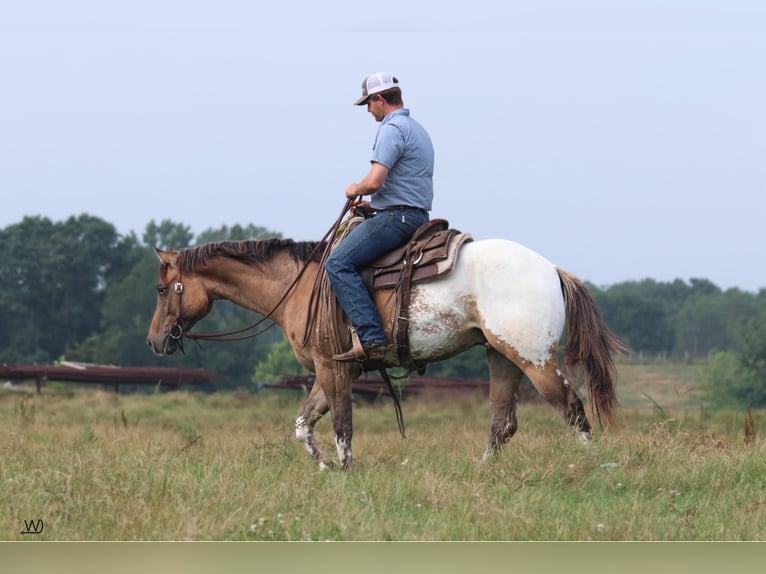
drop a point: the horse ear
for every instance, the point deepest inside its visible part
(165, 256)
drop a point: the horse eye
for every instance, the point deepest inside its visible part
(162, 290)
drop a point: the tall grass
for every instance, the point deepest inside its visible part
(178, 466)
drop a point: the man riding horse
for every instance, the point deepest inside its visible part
(498, 294)
(400, 183)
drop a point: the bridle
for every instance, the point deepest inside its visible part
(178, 332)
(178, 288)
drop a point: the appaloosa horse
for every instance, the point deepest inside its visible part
(499, 294)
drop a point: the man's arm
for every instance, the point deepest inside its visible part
(371, 183)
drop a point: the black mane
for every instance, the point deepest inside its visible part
(249, 251)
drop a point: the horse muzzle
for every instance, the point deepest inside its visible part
(165, 346)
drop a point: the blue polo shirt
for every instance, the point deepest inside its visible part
(404, 147)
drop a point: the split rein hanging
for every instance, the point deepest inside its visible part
(178, 333)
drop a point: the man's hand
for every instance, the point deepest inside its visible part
(353, 190)
(362, 209)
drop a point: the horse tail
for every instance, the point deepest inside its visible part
(590, 341)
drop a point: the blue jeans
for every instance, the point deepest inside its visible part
(373, 237)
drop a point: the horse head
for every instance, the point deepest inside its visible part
(181, 301)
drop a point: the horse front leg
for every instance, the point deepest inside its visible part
(313, 410)
(336, 379)
(331, 391)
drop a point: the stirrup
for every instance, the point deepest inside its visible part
(356, 353)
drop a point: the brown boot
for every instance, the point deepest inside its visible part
(355, 354)
(379, 354)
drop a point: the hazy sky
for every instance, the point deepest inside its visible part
(621, 139)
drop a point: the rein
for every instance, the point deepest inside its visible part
(178, 332)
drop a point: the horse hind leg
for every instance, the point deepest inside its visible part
(313, 410)
(560, 393)
(504, 380)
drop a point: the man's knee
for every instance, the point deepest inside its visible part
(333, 265)
(336, 265)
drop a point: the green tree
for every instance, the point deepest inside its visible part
(53, 280)
(127, 312)
(728, 383)
(470, 364)
(676, 317)
(236, 233)
(167, 235)
(738, 377)
(704, 323)
(278, 363)
(639, 318)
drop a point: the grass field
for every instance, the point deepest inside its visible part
(93, 465)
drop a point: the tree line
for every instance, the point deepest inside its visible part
(78, 290)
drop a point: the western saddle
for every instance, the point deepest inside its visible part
(431, 252)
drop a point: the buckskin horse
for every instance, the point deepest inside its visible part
(499, 294)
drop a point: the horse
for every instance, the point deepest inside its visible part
(499, 294)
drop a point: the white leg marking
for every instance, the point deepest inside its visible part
(305, 434)
(302, 429)
(344, 451)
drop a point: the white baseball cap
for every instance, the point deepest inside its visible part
(374, 84)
